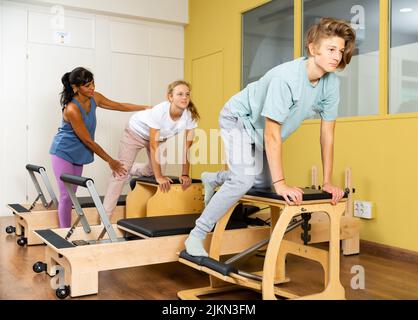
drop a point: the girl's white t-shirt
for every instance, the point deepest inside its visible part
(159, 118)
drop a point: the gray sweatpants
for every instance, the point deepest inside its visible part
(248, 168)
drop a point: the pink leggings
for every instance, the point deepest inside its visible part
(61, 166)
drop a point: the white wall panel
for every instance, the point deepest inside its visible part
(162, 72)
(129, 38)
(166, 41)
(14, 106)
(79, 31)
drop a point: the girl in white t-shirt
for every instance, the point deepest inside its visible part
(148, 129)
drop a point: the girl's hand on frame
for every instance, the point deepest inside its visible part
(164, 183)
(185, 182)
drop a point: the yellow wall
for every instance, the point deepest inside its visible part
(382, 150)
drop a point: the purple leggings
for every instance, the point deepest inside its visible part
(61, 166)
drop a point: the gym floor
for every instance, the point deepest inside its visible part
(384, 278)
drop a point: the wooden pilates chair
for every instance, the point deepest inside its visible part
(147, 200)
(224, 276)
(80, 253)
(44, 215)
(350, 225)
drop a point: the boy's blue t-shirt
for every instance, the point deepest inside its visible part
(285, 94)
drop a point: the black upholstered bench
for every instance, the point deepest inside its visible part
(87, 202)
(166, 225)
(152, 180)
(309, 194)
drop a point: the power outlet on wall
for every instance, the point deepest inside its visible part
(363, 209)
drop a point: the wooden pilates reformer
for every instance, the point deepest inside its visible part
(44, 215)
(284, 218)
(80, 253)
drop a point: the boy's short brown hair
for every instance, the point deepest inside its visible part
(330, 27)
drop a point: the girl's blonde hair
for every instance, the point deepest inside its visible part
(191, 107)
(330, 27)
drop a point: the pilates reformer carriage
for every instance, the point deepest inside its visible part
(82, 252)
(89, 250)
(44, 215)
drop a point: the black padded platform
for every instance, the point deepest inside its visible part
(87, 202)
(222, 268)
(168, 225)
(308, 195)
(18, 208)
(54, 239)
(195, 259)
(152, 180)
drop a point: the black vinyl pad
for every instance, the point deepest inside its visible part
(221, 267)
(18, 208)
(87, 202)
(168, 225)
(197, 260)
(218, 266)
(152, 180)
(54, 239)
(308, 194)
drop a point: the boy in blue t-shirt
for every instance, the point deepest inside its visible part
(269, 110)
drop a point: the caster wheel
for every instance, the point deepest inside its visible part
(22, 241)
(38, 267)
(10, 229)
(63, 293)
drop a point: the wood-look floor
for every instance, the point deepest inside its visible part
(384, 278)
